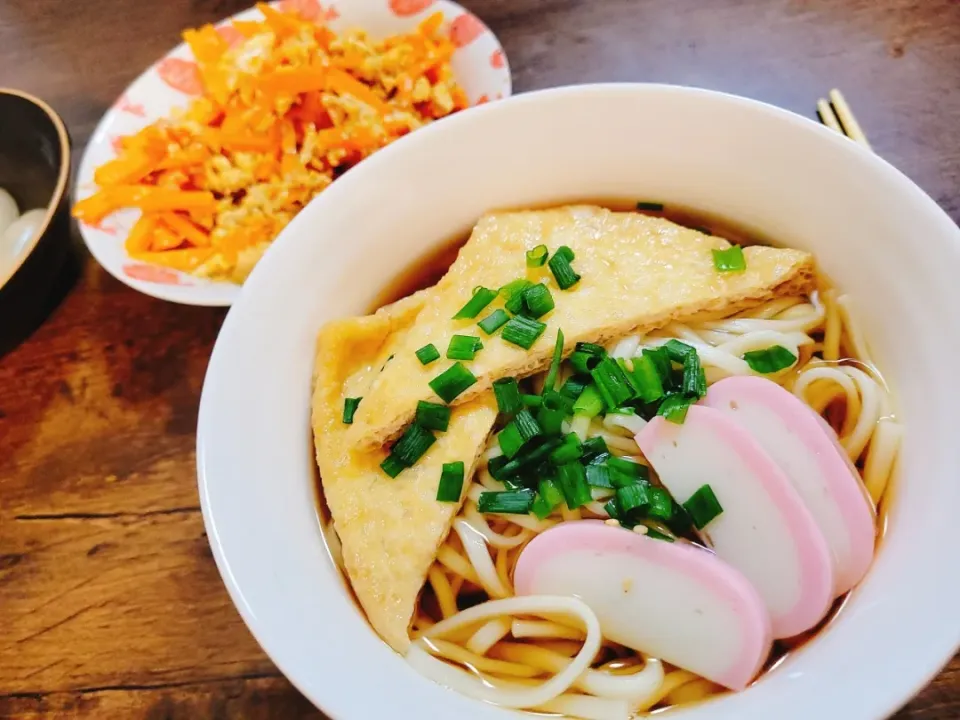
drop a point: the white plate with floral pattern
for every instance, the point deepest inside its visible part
(479, 65)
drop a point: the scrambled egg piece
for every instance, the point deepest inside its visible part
(638, 273)
(389, 529)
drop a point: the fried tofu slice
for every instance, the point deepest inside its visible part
(638, 273)
(389, 528)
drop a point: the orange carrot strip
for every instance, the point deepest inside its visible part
(184, 158)
(125, 169)
(430, 24)
(206, 44)
(248, 28)
(140, 234)
(293, 81)
(185, 229)
(343, 83)
(187, 259)
(282, 24)
(163, 239)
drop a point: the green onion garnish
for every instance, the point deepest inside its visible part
(522, 331)
(628, 467)
(773, 359)
(729, 260)
(392, 466)
(427, 354)
(531, 401)
(568, 452)
(621, 479)
(548, 497)
(537, 301)
(674, 408)
(583, 362)
(694, 383)
(451, 482)
(513, 294)
(433, 416)
(646, 379)
(650, 206)
(612, 510)
(517, 432)
(566, 252)
(599, 476)
(411, 446)
(657, 535)
(481, 298)
(452, 381)
(463, 347)
(632, 502)
(529, 457)
(555, 362)
(573, 387)
(661, 360)
(551, 420)
(563, 273)
(511, 502)
(594, 447)
(589, 403)
(507, 392)
(572, 479)
(494, 321)
(702, 507)
(612, 383)
(661, 504)
(537, 257)
(678, 351)
(349, 408)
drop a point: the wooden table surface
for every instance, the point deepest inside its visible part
(110, 604)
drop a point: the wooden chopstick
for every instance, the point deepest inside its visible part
(837, 115)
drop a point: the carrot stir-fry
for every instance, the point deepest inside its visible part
(287, 107)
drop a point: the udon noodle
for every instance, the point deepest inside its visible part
(547, 654)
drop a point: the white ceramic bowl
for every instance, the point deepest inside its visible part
(878, 235)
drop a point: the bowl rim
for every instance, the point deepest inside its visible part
(62, 178)
(921, 674)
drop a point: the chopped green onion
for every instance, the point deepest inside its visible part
(591, 348)
(517, 432)
(385, 363)
(589, 403)
(349, 408)
(537, 257)
(612, 383)
(661, 360)
(551, 420)
(513, 294)
(594, 447)
(507, 392)
(583, 362)
(729, 260)
(678, 351)
(674, 408)
(537, 301)
(522, 331)
(650, 206)
(481, 298)
(568, 452)
(451, 482)
(773, 359)
(563, 273)
(599, 476)
(411, 446)
(532, 454)
(612, 510)
(463, 347)
(566, 253)
(646, 379)
(703, 507)
(554, 362)
(531, 401)
(555, 401)
(572, 479)
(452, 381)
(427, 354)
(548, 497)
(392, 466)
(632, 502)
(433, 416)
(573, 387)
(661, 504)
(510, 502)
(493, 322)
(628, 467)
(694, 383)
(496, 465)
(657, 535)
(621, 479)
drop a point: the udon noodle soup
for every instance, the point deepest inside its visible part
(604, 561)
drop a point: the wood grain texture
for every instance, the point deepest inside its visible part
(110, 604)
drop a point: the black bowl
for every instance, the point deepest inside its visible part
(35, 169)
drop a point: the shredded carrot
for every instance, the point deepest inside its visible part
(284, 111)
